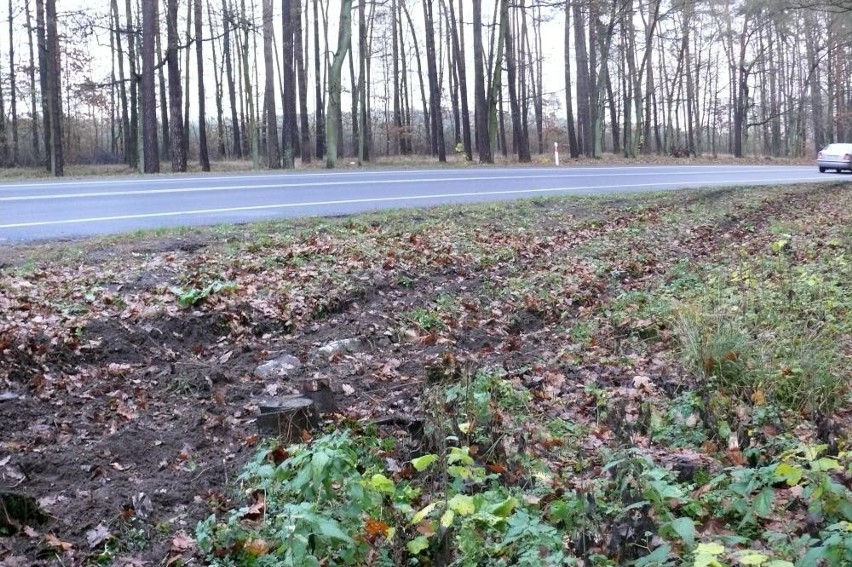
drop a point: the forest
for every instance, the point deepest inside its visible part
(277, 84)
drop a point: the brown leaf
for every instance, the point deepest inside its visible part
(736, 457)
(256, 547)
(182, 542)
(30, 532)
(257, 509)
(57, 543)
(374, 529)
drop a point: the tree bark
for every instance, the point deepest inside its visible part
(44, 71)
(427, 115)
(344, 38)
(203, 152)
(273, 154)
(302, 75)
(518, 134)
(227, 19)
(33, 101)
(436, 118)
(176, 129)
(252, 131)
(289, 131)
(461, 67)
(54, 90)
(150, 143)
(363, 55)
(217, 83)
(135, 148)
(319, 102)
(13, 89)
(165, 148)
(569, 102)
(483, 141)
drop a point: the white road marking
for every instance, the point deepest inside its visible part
(362, 201)
(622, 173)
(567, 171)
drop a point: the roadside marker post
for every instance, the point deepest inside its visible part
(556, 152)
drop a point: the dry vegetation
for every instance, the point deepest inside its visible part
(660, 380)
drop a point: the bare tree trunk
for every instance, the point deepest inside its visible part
(187, 128)
(363, 56)
(177, 133)
(150, 143)
(217, 80)
(436, 118)
(134, 149)
(483, 140)
(495, 99)
(521, 141)
(122, 88)
(13, 89)
(289, 130)
(457, 30)
(427, 116)
(203, 153)
(252, 132)
(319, 108)
(535, 56)
(43, 82)
(54, 90)
(33, 102)
(355, 93)
(302, 75)
(227, 19)
(273, 154)
(334, 80)
(584, 120)
(165, 149)
(569, 104)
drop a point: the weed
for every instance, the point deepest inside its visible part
(714, 347)
(191, 297)
(426, 320)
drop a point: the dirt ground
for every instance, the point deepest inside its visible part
(124, 416)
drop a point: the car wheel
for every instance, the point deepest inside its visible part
(822, 170)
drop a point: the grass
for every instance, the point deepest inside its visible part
(651, 388)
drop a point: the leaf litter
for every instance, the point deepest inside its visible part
(115, 385)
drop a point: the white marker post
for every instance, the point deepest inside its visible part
(556, 153)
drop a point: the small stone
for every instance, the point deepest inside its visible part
(339, 348)
(281, 367)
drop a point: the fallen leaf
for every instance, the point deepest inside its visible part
(182, 542)
(643, 383)
(256, 547)
(347, 390)
(97, 535)
(57, 543)
(736, 457)
(30, 532)
(374, 529)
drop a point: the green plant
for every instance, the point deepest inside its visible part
(193, 296)
(426, 320)
(715, 347)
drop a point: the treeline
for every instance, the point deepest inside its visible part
(283, 82)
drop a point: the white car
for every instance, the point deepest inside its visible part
(835, 156)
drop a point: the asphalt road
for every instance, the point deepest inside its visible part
(65, 209)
